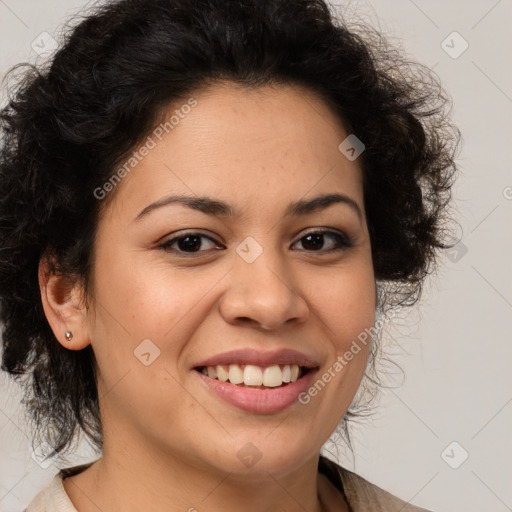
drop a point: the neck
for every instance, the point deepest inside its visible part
(117, 482)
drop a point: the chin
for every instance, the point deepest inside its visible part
(259, 456)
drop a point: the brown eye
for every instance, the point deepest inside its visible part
(189, 243)
(324, 241)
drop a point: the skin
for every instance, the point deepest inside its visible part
(170, 443)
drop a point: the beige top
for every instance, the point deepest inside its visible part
(361, 495)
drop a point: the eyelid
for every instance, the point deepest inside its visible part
(348, 240)
(344, 241)
(321, 229)
(187, 232)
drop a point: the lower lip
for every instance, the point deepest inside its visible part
(261, 401)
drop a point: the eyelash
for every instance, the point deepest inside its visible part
(343, 241)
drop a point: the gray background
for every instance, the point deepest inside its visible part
(455, 349)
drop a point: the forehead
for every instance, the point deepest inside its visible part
(243, 144)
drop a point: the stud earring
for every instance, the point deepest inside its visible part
(69, 335)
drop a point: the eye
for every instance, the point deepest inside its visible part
(194, 243)
(324, 241)
(189, 243)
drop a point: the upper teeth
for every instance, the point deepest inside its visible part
(251, 375)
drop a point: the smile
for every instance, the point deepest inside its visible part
(253, 397)
(253, 376)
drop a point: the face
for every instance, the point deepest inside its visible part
(251, 268)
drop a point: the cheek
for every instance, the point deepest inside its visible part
(136, 301)
(345, 301)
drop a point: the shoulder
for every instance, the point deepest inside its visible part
(361, 494)
(53, 498)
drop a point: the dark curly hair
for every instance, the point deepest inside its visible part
(70, 122)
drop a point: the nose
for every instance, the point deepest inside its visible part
(264, 293)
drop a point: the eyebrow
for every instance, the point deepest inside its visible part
(219, 208)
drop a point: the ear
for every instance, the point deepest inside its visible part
(63, 306)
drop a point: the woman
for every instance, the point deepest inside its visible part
(205, 207)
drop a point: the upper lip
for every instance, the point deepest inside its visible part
(259, 358)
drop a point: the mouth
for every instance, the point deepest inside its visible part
(255, 377)
(257, 389)
(256, 381)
